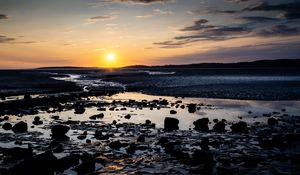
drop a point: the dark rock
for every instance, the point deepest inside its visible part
(59, 148)
(114, 122)
(100, 136)
(97, 116)
(215, 120)
(67, 162)
(7, 126)
(171, 124)
(201, 124)
(272, 121)
(202, 157)
(102, 109)
(20, 127)
(219, 127)
(37, 121)
(59, 131)
(128, 116)
(5, 118)
(239, 127)
(147, 122)
(131, 149)
(17, 152)
(191, 108)
(115, 144)
(55, 117)
(141, 138)
(173, 112)
(79, 110)
(88, 141)
(44, 163)
(204, 144)
(27, 97)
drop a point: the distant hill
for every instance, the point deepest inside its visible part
(281, 63)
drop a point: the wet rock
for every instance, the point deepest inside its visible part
(7, 126)
(204, 144)
(88, 141)
(128, 116)
(44, 163)
(59, 148)
(219, 127)
(171, 124)
(79, 110)
(5, 118)
(173, 112)
(201, 124)
(20, 127)
(239, 127)
(27, 97)
(141, 138)
(202, 157)
(17, 152)
(97, 116)
(55, 117)
(115, 144)
(114, 122)
(100, 136)
(131, 149)
(147, 122)
(191, 108)
(37, 121)
(59, 131)
(101, 109)
(67, 162)
(272, 121)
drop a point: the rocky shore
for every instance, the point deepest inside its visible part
(36, 140)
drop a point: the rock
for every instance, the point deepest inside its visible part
(97, 116)
(204, 144)
(191, 108)
(79, 110)
(44, 163)
(20, 127)
(115, 144)
(173, 112)
(55, 117)
(100, 136)
(171, 124)
(86, 167)
(5, 118)
(128, 116)
(114, 122)
(17, 152)
(59, 148)
(215, 120)
(201, 124)
(239, 127)
(88, 141)
(219, 127)
(131, 149)
(59, 131)
(202, 157)
(272, 121)
(141, 138)
(7, 126)
(37, 121)
(67, 162)
(147, 122)
(27, 97)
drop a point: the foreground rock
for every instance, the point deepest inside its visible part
(20, 127)
(59, 131)
(171, 124)
(239, 127)
(219, 127)
(201, 124)
(7, 126)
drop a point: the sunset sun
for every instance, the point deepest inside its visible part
(110, 57)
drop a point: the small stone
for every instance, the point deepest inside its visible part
(7, 126)
(173, 112)
(128, 116)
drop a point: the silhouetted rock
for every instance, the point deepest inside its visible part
(100, 136)
(204, 143)
(7, 126)
(147, 122)
(173, 112)
(55, 117)
(17, 152)
(37, 121)
(202, 157)
(115, 144)
(131, 149)
(191, 108)
(97, 116)
(219, 127)
(201, 124)
(128, 116)
(86, 167)
(59, 131)
(272, 121)
(239, 127)
(79, 110)
(141, 138)
(67, 162)
(20, 127)
(171, 124)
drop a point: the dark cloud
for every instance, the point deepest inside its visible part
(236, 1)
(198, 25)
(3, 16)
(141, 1)
(5, 39)
(101, 18)
(290, 10)
(258, 19)
(279, 30)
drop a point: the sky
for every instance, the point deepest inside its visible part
(115, 33)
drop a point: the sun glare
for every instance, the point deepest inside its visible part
(110, 57)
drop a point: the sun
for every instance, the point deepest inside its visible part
(110, 57)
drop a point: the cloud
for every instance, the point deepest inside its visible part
(279, 30)
(258, 19)
(236, 1)
(3, 16)
(5, 39)
(198, 25)
(290, 10)
(101, 18)
(155, 12)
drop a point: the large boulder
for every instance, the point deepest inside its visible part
(239, 127)
(191, 108)
(171, 124)
(219, 127)
(201, 124)
(20, 127)
(7, 126)
(59, 131)
(17, 152)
